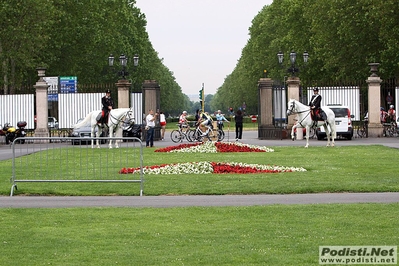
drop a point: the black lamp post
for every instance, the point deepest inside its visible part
(123, 62)
(292, 69)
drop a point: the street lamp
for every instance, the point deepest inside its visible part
(292, 69)
(123, 62)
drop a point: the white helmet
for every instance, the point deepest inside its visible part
(391, 106)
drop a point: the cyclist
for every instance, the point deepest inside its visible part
(392, 114)
(206, 121)
(183, 122)
(220, 118)
(383, 115)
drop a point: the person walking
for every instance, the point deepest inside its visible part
(220, 118)
(150, 125)
(162, 123)
(239, 124)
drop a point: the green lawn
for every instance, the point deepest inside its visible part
(339, 169)
(261, 235)
(257, 235)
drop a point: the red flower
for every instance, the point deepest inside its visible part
(231, 147)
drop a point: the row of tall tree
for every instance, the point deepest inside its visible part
(75, 38)
(341, 37)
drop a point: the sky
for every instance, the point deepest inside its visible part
(200, 41)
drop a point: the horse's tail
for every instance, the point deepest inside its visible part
(86, 121)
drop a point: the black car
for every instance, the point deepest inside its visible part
(82, 135)
(132, 130)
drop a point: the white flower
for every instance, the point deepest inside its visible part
(206, 147)
(207, 168)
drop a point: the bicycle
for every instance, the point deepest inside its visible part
(220, 130)
(390, 130)
(363, 130)
(210, 134)
(178, 135)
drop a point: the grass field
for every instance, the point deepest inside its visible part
(339, 169)
(262, 235)
(259, 235)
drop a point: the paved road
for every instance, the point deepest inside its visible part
(184, 201)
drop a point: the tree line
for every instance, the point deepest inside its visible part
(75, 38)
(341, 37)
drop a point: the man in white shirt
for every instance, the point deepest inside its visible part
(150, 125)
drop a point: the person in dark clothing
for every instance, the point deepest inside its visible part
(315, 108)
(108, 105)
(197, 117)
(238, 119)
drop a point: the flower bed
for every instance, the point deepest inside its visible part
(210, 168)
(213, 147)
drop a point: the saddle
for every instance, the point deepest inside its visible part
(319, 115)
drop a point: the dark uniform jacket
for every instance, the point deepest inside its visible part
(107, 101)
(315, 101)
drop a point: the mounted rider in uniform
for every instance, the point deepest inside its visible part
(108, 105)
(315, 109)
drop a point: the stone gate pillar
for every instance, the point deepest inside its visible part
(293, 93)
(374, 94)
(41, 104)
(266, 129)
(123, 86)
(152, 100)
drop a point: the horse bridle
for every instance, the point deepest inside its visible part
(128, 113)
(292, 112)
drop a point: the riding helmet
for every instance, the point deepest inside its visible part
(316, 89)
(108, 91)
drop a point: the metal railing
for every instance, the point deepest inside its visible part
(55, 159)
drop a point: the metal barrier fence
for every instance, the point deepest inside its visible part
(55, 159)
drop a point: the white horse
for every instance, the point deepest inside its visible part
(305, 120)
(116, 118)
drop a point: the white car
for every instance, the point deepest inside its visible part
(52, 123)
(343, 122)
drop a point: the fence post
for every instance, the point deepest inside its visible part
(41, 104)
(374, 95)
(152, 101)
(293, 93)
(123, 86)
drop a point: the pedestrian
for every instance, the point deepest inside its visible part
(108, 105)
(150, 125)
(238, 119)
(162, 123)
(220, 118)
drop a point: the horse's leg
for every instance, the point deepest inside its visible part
(99, 131)
(293, 132)
(327, 134)
(110, 135)
(92, 135)
(333, 135)
(307, 136)
(118, 134)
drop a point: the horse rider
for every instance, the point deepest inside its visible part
(108, 105)
(317, 113)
